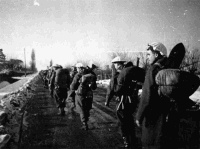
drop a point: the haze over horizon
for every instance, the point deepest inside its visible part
(68, 30)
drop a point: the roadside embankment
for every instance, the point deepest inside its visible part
(14, 99)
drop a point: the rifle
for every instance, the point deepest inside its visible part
(135, 91)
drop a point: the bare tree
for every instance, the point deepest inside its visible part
(143, 60)
(125, 55)
(51, 63)
(191, 61)
(33, 61)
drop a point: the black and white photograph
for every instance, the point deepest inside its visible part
(99, 74)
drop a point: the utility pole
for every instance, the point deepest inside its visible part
(138, 61)
(25, 60)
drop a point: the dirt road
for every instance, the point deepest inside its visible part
(47, 130)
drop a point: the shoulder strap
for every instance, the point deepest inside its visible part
(158, 64)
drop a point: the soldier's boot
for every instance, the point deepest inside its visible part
(126, 142)
(84, 126)
(73, 106)
(61, 111)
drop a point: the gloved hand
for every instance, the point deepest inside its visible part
(69, 99)
(137, 123)
(106, 104)
(117, 99)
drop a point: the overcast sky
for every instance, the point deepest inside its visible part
(67, 30)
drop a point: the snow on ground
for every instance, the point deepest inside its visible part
(105, 82)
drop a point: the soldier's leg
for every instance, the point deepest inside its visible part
(63, 97)
(88, 107)
(134, 142)
(130, 124)
(51, 90)
(58, 97)
(123, 126)
(71, 101)
(46, 83)
(80, 106)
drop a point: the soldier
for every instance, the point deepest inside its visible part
(153, 109)
(83, 89)
(45, 78)
(50, 75)
(110, 89)
(60, 80)
(124, 90)
(71, 96)
(91, 69)
(43, 75)
(73, 72)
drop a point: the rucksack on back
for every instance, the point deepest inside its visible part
(62, 77)
(84, 88)
(172, 81)
(175, 83)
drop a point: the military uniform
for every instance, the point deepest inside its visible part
(43, 74)
(84, 96)
(127, 91)
(110, 89)
(153, 109)
(60, 80)
(71, 97)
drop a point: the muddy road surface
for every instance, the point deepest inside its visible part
(47, 130)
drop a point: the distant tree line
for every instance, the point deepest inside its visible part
(19, 65)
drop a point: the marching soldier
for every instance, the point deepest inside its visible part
(71, 95)
(59, 83)
(83, 84)
(110, 89)
(43, 74)
(128, 98)
(73, 72)
(50, 76)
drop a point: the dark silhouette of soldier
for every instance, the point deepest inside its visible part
(61, 81)
(153, 109)
(128, 98)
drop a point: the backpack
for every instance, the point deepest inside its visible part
(173, 82)
(85, 81)
(128, 80)
(62, 77)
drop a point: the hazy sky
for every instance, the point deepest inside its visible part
(67, 30)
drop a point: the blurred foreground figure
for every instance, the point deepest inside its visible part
(152, 109)
(161, 105)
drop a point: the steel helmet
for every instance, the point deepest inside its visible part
(118, 59)
(157, 46)
(79, 65)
